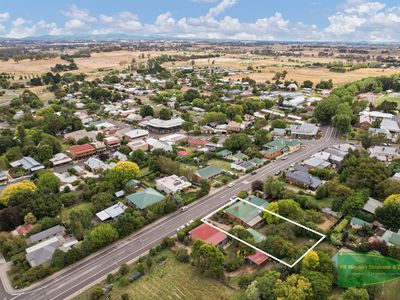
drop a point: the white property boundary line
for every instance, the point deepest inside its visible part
(252, 246)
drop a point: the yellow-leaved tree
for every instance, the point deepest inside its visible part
(14, 188)
(122, 172)
(311, 260)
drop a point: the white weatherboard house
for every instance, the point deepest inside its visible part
(172, 184)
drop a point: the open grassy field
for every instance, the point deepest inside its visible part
(171, 280)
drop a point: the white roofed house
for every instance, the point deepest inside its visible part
(136, 134)
(120, 156)
(60, 159)
(111, 212)
(164, 126)
(172, 184)
(305, 130)
(28, 163)
(157, 144)
(96, 166)
(383, 153)
(371, 205)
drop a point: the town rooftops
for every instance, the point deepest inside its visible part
(358, 222)
(45, 234)
(224, 152)
(305, 129)
(258, 258)
(111, 212)
(245, 212)
(240, 155)
(145, 198)
(43, 252)
(371, 205)
(158, 123)
(208, 234)
(96, 164)
(79, 149)
(305, 178)
(172, 184)
(136, 133)
(258, 237)
(209, 172)
(28, 163)
(59, 159)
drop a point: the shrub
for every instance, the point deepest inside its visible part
(341, 226)
(182, 255)
(123, 269)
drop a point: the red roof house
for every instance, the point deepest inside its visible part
(258, 258)
(209, 235)
(183, 153)
(82, 151)
(197, 143)
(23, 229)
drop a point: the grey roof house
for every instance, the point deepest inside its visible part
(45, 234)
(303, 179)
(305, 130)
(28, 163)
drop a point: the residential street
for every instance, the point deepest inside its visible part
(78, 277)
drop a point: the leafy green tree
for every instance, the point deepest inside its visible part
(58, 259)
(30, 218)
(295, 287)
(48, 181)
(262, 136)
(354, 203)
(290, 209)
(165, 114)
(146, 110)
(326, 109)
(321, 284)
(125, 224)
(342, 122)
(278, 123)
(252, 292)
(80, 221)
(266, 284)
(102, 235)
(389, 213)
(274, 188)
(238, 141)
(101, 201)
(208, 259)
(270, 218)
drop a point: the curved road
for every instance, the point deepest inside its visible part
(79, 276)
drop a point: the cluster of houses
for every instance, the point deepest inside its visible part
(244, 214)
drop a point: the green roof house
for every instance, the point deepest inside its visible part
(257, 201)
(245, 213)
(145, 198)
(358, 223)
(258, 237)
(257, 161)
(224, 153)
(239, 156)
(209, 172)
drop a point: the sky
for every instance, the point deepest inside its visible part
(264, 20)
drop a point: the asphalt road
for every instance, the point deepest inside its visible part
(79, 276)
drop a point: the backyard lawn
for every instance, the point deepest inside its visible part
(170, 280)
(388, 98)
(225, 165)
(66, 211)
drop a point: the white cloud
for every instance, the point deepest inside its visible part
(364, 20)
(74, 12)
(354, 20)
(221, 7)
(4, 17)
(74, 25)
